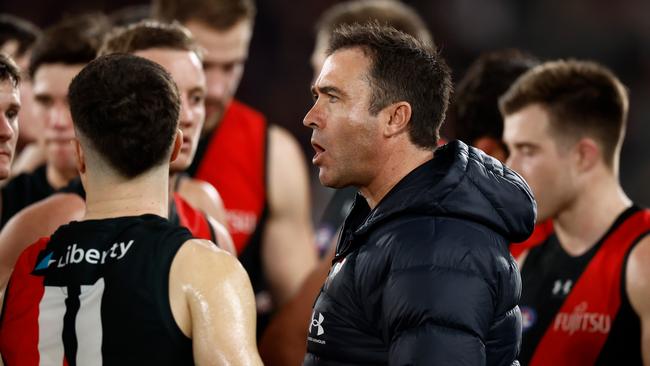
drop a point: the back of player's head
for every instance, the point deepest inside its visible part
(385, 12)
(19, 30)
(475, 111)
(72, 41)
(218, 14)
(582, 99)
(149, 34)
(8, 70)
(125, 111)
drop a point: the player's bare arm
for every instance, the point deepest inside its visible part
(638, 290)
(288, 252)
(212, 302)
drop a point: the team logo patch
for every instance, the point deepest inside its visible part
(316, 328)
(528, 317)
(45, 262)
(582, 320)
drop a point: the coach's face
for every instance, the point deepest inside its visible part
(345, 134)
(187, 72)
(50, 87)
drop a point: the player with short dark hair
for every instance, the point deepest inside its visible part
(124, 285)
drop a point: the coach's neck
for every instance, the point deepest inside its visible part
(398, 157)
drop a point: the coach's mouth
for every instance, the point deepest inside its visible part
(319, 152)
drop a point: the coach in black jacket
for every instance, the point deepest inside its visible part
(422, 275)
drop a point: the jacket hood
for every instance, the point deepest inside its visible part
(463, 182)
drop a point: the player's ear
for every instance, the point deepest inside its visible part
(81, 157)
(588, 153)
(176, 148)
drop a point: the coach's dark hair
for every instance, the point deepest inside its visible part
(475, 111)
(9, 70)
(149, 34)
(72, 41)
(582, 98)
(218, 14)
(401, 69)
(127, 108)
(20, 30)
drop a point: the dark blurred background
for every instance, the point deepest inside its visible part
(278, 75)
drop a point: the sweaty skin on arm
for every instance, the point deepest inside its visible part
(288, 252)
(213, 304)
(638, 291)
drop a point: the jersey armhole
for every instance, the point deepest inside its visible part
(180, 237)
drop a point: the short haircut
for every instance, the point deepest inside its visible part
(126, 108)
(72, 41)
(149, 34)
(401, 69)
(218, 14)
(9, 70)
(582, 98)
(20, 30)
(391, 13)
(475, 110)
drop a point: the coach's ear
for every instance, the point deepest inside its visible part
(397, 118)
(81, 158)
(178, 143)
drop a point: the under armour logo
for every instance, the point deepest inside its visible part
(564, 286)
(317, 323)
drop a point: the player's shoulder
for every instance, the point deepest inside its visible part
(59, 202)
(202, 257)
(196, 189)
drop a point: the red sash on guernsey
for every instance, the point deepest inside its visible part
(19, 338)
(581, 327)
(192, 219)
(234, 163)
(541, 232)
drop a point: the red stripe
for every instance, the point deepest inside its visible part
(19, 328)
(598, 291)
(234, 163)
(192, 219)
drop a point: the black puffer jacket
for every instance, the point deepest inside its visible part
(426, 277)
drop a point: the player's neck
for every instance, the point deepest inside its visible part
(58, 179)
(391, 169)
(118, 197)
(590, 215)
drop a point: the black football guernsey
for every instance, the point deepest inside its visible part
(96, 293)
(575, 309)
